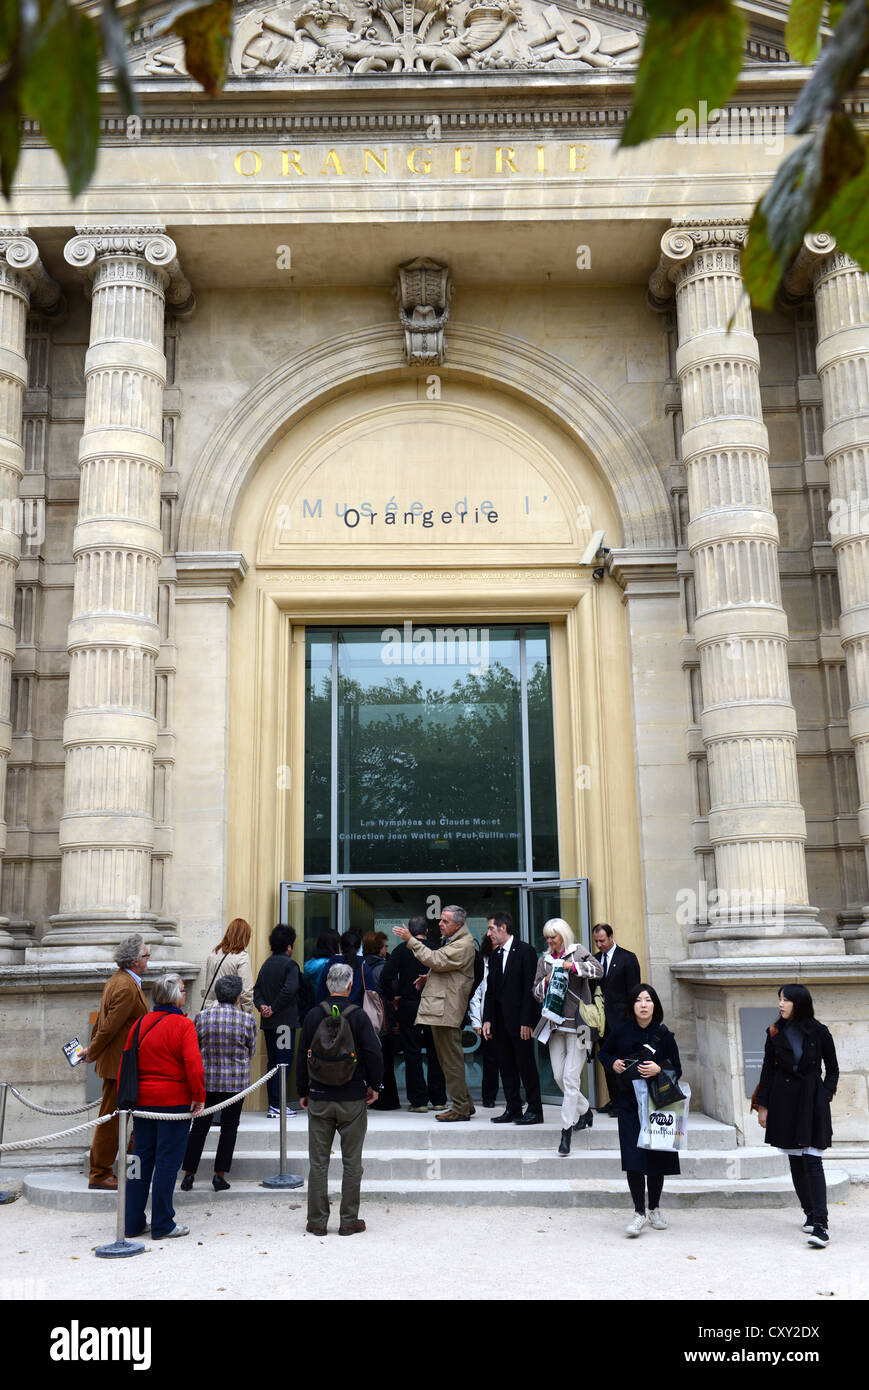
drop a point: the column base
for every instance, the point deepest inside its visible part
(854, 929)
(91, 937)
(764, 930)
(11, 953)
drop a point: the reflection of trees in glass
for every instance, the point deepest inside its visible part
(318, 735)
(429, 753)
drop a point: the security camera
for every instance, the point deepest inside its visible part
(593, 549)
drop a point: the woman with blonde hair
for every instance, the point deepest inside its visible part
(571, 1031)
(230, 957)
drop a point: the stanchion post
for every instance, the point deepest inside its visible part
(120, 1247)
(283, 1178)
(5, 1197)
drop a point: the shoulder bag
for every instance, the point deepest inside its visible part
(128, 1079)
(372, 1007)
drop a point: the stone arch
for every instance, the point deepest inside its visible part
(251, 428)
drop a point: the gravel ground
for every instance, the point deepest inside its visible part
(237, 1251)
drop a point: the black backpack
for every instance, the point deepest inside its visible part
(332, 1058)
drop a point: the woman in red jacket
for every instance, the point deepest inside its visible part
(172, 1081)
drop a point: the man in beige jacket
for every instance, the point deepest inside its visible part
(444, 1001)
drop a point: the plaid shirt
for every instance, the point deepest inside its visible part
(227, 1038)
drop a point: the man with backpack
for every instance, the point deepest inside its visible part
(339, 1072)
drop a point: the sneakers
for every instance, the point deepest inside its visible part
(819, 1237)
(656, 1220)
(418, 1109)
(636, 1225)
(807, 1227)
(442, 1105)
(274, 1113)
(173, 1234)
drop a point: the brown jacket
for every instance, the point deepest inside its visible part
(121, 1005)
(450, 979)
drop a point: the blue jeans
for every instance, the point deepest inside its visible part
(276, 1055)
(159, 1146)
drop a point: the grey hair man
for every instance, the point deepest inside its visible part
(339, 1071)
(444, 1001)
(122, 1004)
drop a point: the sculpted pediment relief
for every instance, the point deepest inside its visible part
(345, 37)
(370, 36)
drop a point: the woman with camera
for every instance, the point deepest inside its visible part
(638, 1050)
(792, 1101)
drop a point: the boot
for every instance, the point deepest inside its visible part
(585, 1121)
(564, 1146)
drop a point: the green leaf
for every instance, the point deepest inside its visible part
(9, 28)
(837, 9)
(207, 33)
(802, 32)
(114, 37)
(806, 186)
(10, 135)
(59, 89)
(761, 269)
(847, 218)
(837, 69)
(693, 52)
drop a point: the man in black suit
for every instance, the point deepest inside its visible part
(509, 1015)
(621, 974)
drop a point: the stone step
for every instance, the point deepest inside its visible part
(69, 1192)
(400, 1130)
(508, 1165)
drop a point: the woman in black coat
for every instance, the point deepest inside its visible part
(643, 1030)
(276, 996)
(793, 1100)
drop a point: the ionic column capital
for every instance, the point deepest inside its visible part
(681, 241)
(20, 254)
(90, 245)
(815, 249)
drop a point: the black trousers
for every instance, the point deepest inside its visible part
(517, 1062)
(228, 1120)
(415, 1038)
(810, 1185)
(489, 1064)
(389, 1095)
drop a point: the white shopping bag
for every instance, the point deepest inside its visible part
(663, 1130)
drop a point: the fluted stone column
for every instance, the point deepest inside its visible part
(22, 282)
(110, 732)
(757, 824)
(841, 291)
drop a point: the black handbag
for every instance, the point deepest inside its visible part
(128, 1077)
(664, 1090)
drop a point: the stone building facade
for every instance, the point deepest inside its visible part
(384, 336)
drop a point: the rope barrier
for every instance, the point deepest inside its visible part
(62, 1134)
(212, 1109)
(43, 1110)
(136, 1114)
